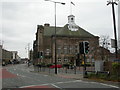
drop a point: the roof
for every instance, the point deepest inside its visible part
(50, 30)
(64, 31)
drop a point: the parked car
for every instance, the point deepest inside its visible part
(58, 66)
(3, 63)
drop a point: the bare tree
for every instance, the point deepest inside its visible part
(105, 41)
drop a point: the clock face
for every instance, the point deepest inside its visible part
(72, 19)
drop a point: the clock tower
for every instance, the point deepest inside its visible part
(71, 23)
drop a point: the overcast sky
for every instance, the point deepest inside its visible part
(21, 17)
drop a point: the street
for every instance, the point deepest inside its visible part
(22, 76)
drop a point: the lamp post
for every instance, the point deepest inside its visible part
(114, 22)
(55, 32)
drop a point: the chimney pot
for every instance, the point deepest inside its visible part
(47, 24)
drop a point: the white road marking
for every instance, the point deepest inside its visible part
(109, 85)
(36, 85)
(101, 84)
(55, 85)
(46, 84)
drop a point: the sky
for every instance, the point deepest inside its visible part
(21, 17)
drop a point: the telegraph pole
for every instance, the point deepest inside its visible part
(55, 32)
(28, 50)
(114, 23)
(28, 54)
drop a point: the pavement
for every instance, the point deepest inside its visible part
(78, 76)
(0, 77)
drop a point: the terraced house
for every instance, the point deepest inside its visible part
(68, 38)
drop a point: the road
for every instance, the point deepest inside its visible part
(21, 76)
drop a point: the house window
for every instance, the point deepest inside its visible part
(76, 49)
(59, 50)
(70, 50)
(65, 60)
(59, 59)
(47, 52)
(65, 49)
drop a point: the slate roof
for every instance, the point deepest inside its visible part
(64, 31)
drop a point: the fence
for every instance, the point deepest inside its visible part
(75, 70)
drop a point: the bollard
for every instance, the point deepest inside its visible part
(66, 70)
(75, 69)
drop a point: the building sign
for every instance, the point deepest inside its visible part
(113, 43)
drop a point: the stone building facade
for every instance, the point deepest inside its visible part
(67, 39)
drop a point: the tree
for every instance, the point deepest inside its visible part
(105, 46)
(104, 41)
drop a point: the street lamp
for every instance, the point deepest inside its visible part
(55, 32)
(114, 22)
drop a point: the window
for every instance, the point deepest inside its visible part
(59, 59)
(59, 50)
(76, 49)
(70, 49)
(65, 60)
(65, 49)
(47, 52)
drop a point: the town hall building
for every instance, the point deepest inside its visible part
(67, 42)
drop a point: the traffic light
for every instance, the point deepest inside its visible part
(86, 47)
(40, 54)
(81, 48)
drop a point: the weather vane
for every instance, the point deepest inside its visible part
(71, 3)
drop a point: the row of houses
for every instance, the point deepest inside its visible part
(7, 57)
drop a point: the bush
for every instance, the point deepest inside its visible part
(116, 68)
(102, 76)
(91, 75)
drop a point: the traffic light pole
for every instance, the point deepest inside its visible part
(84, 49)
(84, 69)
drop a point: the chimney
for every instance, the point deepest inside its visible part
(47, 24)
